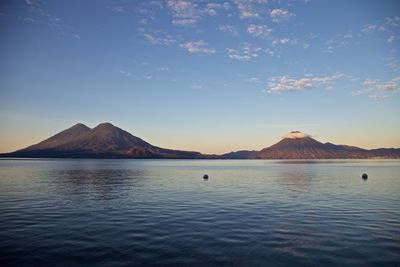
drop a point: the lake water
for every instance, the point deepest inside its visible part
(162, 213)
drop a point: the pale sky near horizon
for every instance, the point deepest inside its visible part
(209, 76)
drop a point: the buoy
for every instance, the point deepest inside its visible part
(364, 176)
(205, 177)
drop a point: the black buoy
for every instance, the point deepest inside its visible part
(205, 177)
(364, 176)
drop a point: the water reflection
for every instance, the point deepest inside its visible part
(162, 213)
(102, 184)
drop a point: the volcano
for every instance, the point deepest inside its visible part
(298, 145)
(103, 141)
(109, 141)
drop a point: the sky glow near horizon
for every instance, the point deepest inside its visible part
(209, 76)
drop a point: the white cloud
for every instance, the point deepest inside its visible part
(378, 90)
(270, 52)
(281, 41)
(392, 38)
(378, 98)
(260, 31)
(35, 5)
(197, 47)
(336, 42)
(211, 8)
(245, 53)
(386, 25)
(280, 14)
(183, 11)
(183, 22)
(296, 135)
(249, 9)
(356, 93)
(226, 5)
(164, 39)
(287, 84)
(370, 84)
(389, 86)
(125, 73)
(369, 28)
(229, 29)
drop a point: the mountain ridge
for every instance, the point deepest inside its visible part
(103, 141)
(108, 141)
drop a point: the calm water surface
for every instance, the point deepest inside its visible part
(162, 213)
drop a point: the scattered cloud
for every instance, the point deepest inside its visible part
(282, 84)
(249, 9)
(260, 31)
(283, 41)
(229, 29)
(184, 22)
(356, 93)
(183, 11)
(245, 53)
(211, 8)
(197, 47)
(35, 5)
(386, 25)
(125, 73)
(378, 90)
(389, 86)
(39, 14)
(337, 41)
(378, 98)
(280, 15)
(272, 52)
(392, 38)
(159, 38)
(369, 28)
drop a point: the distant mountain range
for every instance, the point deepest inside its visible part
(108, 141)
(297, 145)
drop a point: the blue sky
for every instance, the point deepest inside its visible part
(210, 76)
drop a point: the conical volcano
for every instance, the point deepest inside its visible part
(299, 145)
(296, 145)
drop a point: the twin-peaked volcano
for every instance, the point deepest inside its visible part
(103, 141)
(108, 141)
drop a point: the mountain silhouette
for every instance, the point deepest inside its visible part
(297, 145)
(109, 141)
(103, 141)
